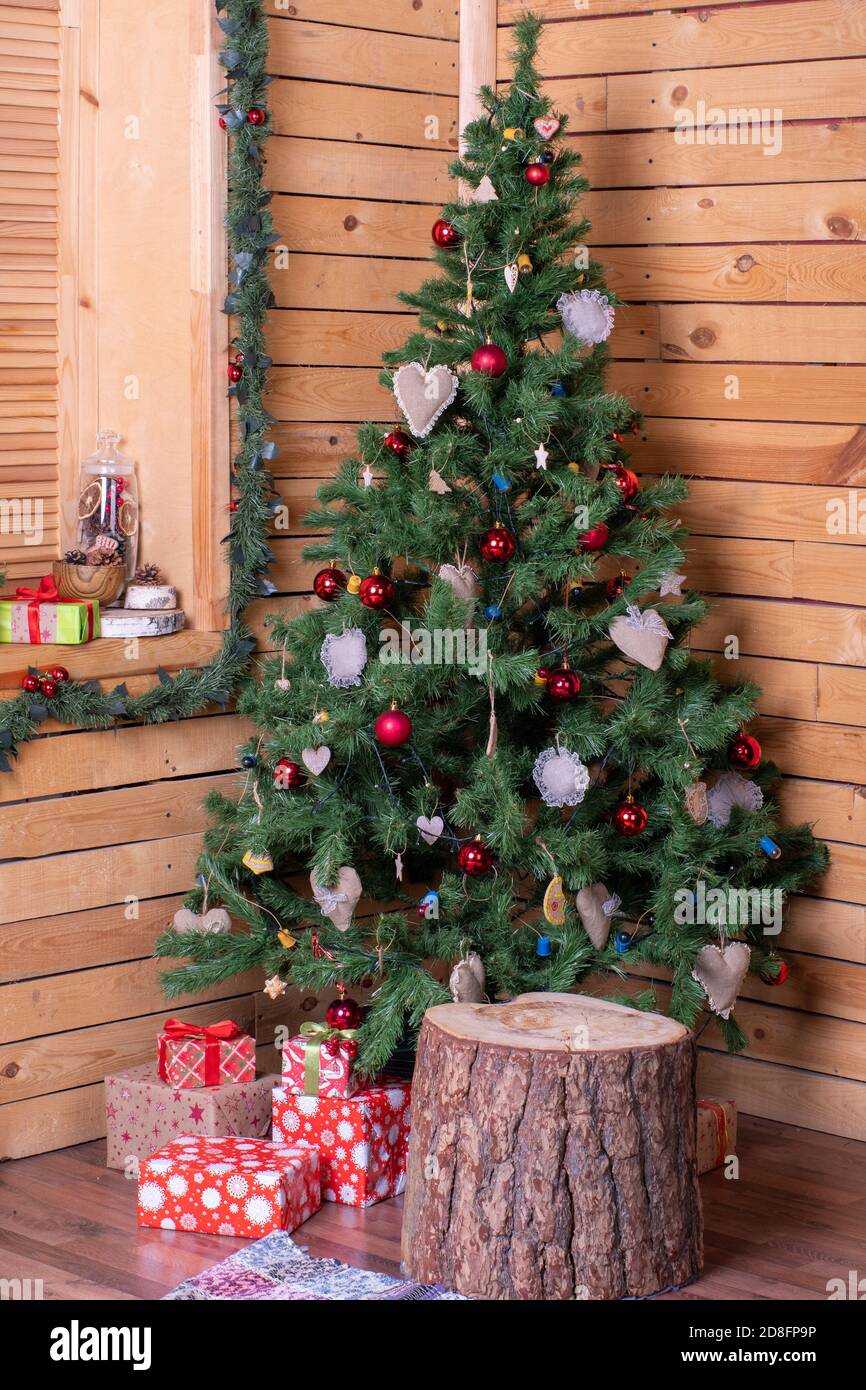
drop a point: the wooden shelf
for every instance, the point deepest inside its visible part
(108, 658)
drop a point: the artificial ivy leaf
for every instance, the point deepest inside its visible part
(266, 588)
(38, 713)
(231, 304)
(5, 765)
(164, 677)
(5, 738)
(246, 646)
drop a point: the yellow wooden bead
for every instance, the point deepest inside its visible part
(524, 264)
(513, 132)
(354, 583)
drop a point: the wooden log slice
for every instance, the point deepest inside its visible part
(553, 1151)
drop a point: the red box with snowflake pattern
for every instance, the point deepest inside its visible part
(362, 1142)
(229, 1187)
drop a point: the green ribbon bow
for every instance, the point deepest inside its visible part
(316, 1034)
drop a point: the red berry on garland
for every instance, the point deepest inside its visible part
(630, 818)
(30, 683)
(343, 1012)
(615, 587)
(377, 590)
(393, 728)
(626, 481)
(536, 174)
(745, 753)
(256, 115)
(497, 545)
(48, 687)
(780, 978)
(563, 684)
(350, 1047)
(444, 235)
(489, 358)
(233, 505)
(399, 443)
(59, 674)
(235, 371)
(223, 123)
(288, 776)
(329, 583)
(595, 538)
(474, 859)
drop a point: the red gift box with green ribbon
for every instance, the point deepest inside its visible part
(192, 1055)
(320, 1061)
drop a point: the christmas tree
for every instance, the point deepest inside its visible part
(492, 723)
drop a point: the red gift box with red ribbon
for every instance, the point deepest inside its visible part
(717, 1132)
(192, 1055)
(43, 616)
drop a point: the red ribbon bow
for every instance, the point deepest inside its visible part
(175, 1030)
(48, 593)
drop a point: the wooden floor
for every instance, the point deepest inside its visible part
(795, 1218)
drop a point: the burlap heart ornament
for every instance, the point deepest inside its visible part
(641, 636)
(596, 907)
(340, 901)
(423, 395)
(213, 923)
(732, 790)
(695, 801)
(431, 828)
(467, 980)
(720, 971)
(461, 580)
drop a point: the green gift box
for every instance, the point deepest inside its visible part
(42, 616)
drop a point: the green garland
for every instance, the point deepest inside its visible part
(250, 237)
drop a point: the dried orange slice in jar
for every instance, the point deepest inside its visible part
(127, 517)
(89, 500)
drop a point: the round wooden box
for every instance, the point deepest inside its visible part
(100, 582)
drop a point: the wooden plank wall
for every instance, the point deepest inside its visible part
(746, 270)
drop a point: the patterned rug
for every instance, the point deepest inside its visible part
(276, 1268)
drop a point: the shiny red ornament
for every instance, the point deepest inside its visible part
(536, 174)
(256, 115)
(288, 776)
(235, 372)
(48, 687)
(630, 818)
(744, 753)
(376, 591)
(343, 1013)
(497, 545)
(30, 683)
(779, 979)
(399, 443)
(222, 123)
(444, 235)
(59, 674)
(474, 859)
(563, 683)
(626, 481)
(329, 583)
(393, 728)
(595, 538)
(614, 587)
(233, 504)
(489, 358)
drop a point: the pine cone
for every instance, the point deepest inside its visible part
(75, 557)
(148, 574)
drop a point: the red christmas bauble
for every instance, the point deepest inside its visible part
(59, 674)
(30, 683)
(474, 859)
(235, 372)
(393, 728)
(563, 684)
(536, 174)
(541, 675)
(256, 115)
(444, 235)
(630, 818)
(595, 538)
(288, 776)
(497, 544)
(329, 583)
(48, 687)
(745, 753)
(489, 358)
(399, 443)
(614, 587)
(780, 978)
(343, 1013)
(376, 591)
(626, 481)
(222, 123)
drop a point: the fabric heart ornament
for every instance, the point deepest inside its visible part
(546, 126)
(641, 636)
(596, 906)
(344, 656)
(338, 902)
(512, 275)
(561, 777)
(315, 760)
(423, 395)
(720, 971)
(461, 580)
(732, 790)
(213, 923)
(431, 828)
(696, 803)
(467, 980)
(587, 315)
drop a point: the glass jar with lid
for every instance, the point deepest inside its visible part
(108, 517)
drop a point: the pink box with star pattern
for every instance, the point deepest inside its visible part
(363, 1141)
(142, 1112)
(229, 1187)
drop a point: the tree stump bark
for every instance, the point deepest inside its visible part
(553, 1151)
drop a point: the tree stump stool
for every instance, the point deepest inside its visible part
(553, 1151)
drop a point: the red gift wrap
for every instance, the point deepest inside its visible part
(320, 1061)
(363, 1142)
(228, 1187)
(192, 1055)
(717, 1132)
